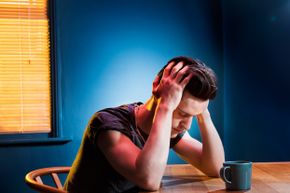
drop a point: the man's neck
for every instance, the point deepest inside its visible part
(145, 115)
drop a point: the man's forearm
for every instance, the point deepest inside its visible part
(152, 160)
(212, 148)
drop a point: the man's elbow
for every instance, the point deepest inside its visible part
(150, 184)
(213, 170)
(151, 187)
(213, 174)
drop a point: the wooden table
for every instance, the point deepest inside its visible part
(266, 178)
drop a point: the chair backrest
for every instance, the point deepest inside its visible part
(34, 179)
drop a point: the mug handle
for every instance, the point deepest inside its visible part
(223, 172)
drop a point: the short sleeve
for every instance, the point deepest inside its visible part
(175, 140)
(104, 121)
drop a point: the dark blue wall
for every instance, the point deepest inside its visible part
(257, 65)
(108, 53)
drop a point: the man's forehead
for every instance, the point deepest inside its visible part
(192, 105)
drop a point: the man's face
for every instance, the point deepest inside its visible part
(188, 107)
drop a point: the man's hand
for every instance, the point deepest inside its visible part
(203, 116)
(173, 81)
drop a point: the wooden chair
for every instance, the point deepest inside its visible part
(34, 179)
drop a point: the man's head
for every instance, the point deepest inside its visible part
(200, 89)
(203, 84)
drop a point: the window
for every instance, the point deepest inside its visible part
(25, 68)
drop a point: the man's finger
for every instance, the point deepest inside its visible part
(156, 81)
(168, 68)
(182, 74)
(186, 79)
(175, 70)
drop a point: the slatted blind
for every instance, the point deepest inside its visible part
(25, 101)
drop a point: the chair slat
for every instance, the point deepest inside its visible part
(56, 180)
(38, 179)
(34, 180)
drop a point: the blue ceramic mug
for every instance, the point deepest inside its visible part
(237, 175)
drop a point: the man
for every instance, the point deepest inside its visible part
(126, 148)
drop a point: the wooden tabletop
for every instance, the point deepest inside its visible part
(266, 178)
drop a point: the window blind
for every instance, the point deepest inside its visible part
(25, 94)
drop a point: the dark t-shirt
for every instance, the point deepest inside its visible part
(91, 172)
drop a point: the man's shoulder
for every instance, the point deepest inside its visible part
(113, 113)
(119, 118)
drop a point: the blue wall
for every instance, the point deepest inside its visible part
(257, 65)
(111, 51)
(108, 53)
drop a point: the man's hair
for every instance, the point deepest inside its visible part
(203, 84)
